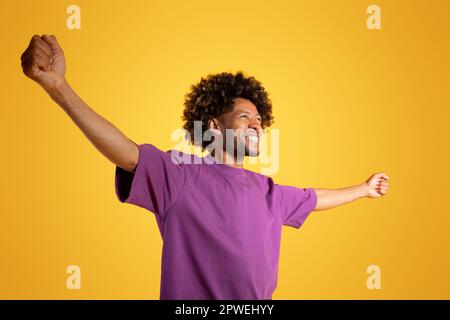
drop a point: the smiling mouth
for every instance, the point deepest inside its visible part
(252, 138)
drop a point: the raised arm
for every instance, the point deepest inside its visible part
(376, 186)
(43, 61)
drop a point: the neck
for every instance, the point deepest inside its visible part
(223, 157)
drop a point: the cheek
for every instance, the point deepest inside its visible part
(237, 130)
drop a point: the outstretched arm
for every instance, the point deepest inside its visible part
(43, 61)
(376, 186)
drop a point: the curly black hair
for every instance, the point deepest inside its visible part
(213, 96)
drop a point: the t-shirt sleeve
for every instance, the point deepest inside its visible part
(296, 204)
(156, 183)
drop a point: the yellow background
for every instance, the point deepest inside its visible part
(348, 102)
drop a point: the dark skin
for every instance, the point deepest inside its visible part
(43, 61)
(244, 118)
(245, 121)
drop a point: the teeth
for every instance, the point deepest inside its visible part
(253, 138)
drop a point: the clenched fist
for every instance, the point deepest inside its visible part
(43, 61)
(378, 185)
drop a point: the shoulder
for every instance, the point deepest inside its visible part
(264, 181)
(183, 158)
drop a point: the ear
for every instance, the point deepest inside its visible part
(213, 125)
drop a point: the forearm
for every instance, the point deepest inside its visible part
(330, 198)
(109, 140)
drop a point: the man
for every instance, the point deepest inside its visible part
(221, 224)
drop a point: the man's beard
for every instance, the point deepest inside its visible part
(251, 152)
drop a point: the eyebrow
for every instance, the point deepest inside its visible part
(244, 111)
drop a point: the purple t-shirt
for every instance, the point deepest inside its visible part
(220, 225)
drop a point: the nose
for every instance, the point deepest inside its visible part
(255, 125)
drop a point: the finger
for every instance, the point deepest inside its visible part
(31, 45)
(34, 49)
(30, 68)
(38, 51)
(27, 51)
(41, 62)
(53, 43)
(43, 58)
(383, 175)
(25, 61)
(36, 36)
(44, 46)
(25, 55)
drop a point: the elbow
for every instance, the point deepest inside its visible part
(131, 162)
(130, 167)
